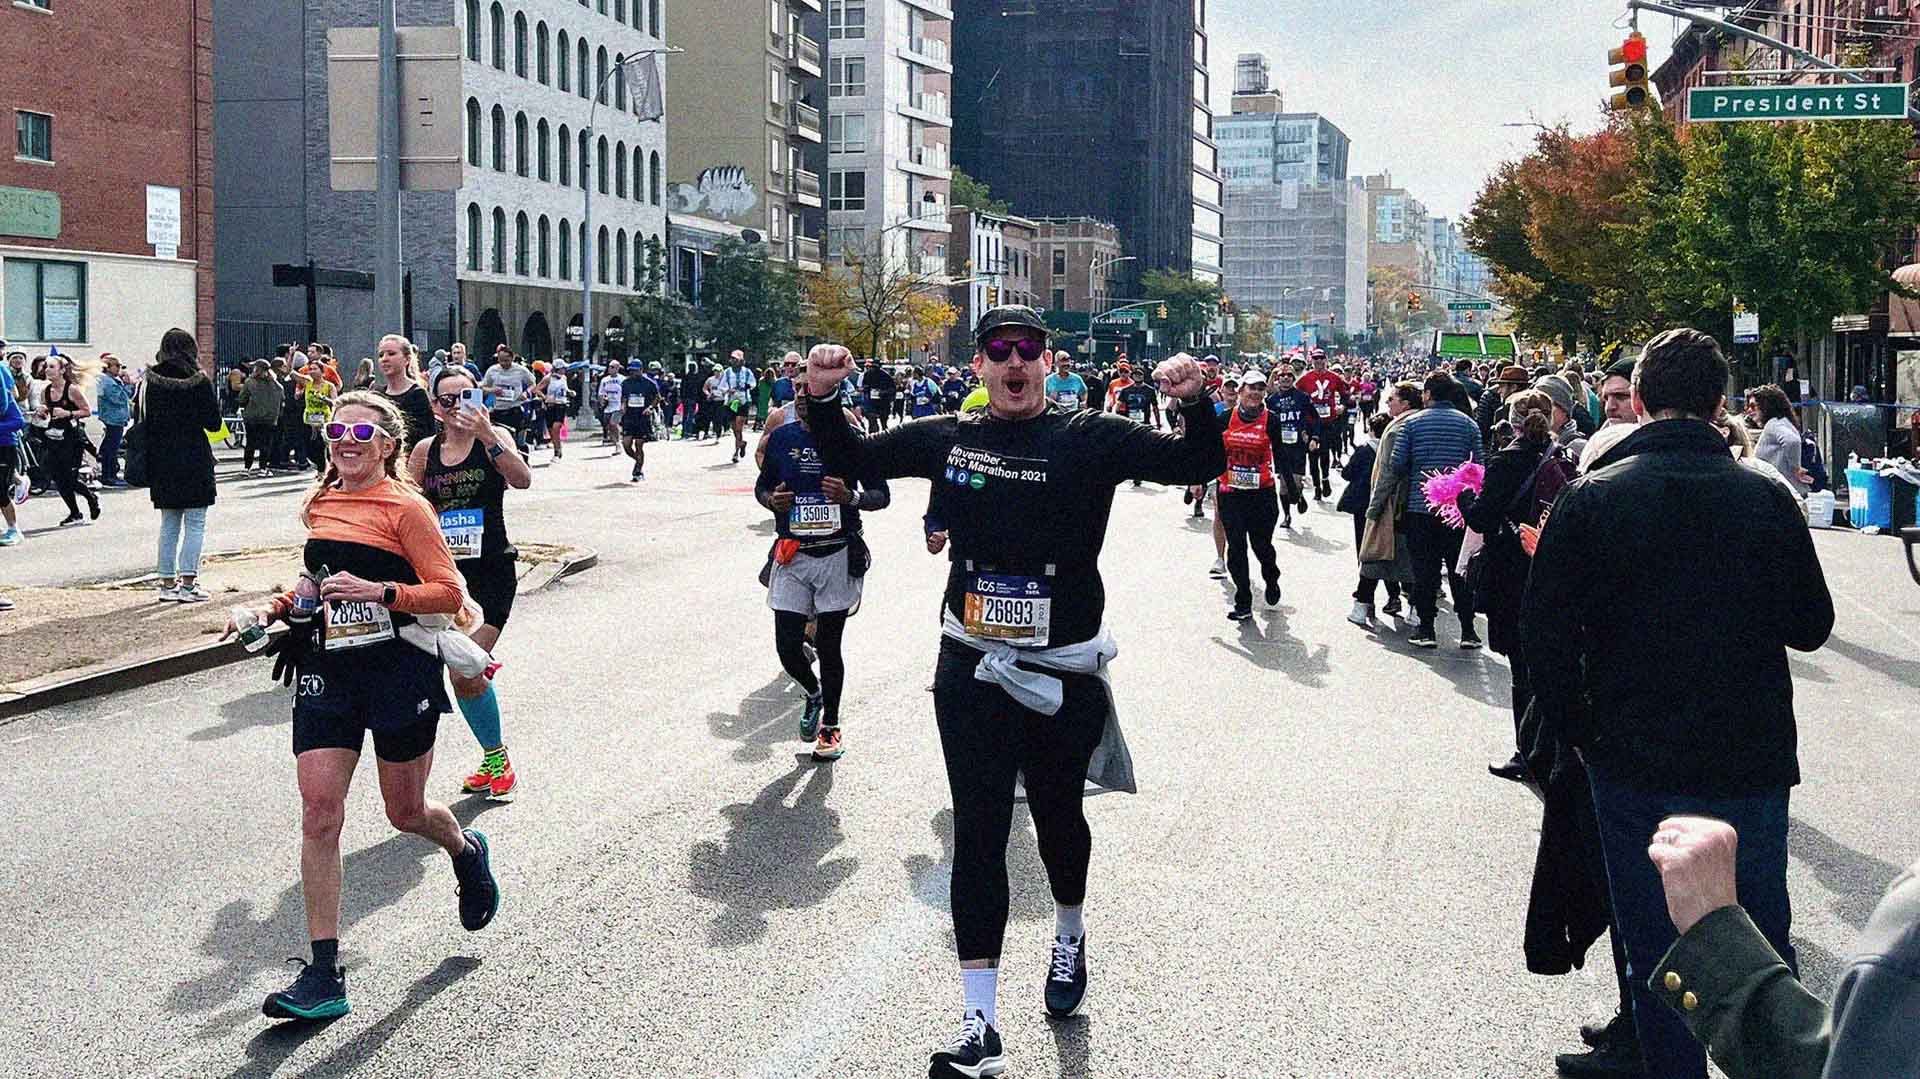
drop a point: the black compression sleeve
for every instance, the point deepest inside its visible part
(910, 449)
(1135, 451)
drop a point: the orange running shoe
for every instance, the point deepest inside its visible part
(481, 781)
(504, 780)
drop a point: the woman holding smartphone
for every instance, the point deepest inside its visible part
(464, 471)
(374, 563)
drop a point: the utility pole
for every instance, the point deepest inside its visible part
(387, 310)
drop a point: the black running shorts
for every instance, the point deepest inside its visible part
(394, 690)
(492, 582)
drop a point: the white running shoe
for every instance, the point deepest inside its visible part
(1361, 615)
(1219, 569)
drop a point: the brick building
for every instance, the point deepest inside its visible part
(106, 202)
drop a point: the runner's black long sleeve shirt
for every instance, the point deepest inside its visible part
(1028, 497)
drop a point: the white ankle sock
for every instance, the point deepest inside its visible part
(1067, 922)
(982, 990)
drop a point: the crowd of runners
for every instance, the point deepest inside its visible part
(1449, 472)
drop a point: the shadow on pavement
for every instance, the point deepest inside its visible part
(1297, 536)
(1273, 648)
(271, 1047)
(767, 716)
(774, 856)
(1904, 671)
(1030, 898)
(1858, 881)
(241, 941)
(1073, 1046)
(266, 708)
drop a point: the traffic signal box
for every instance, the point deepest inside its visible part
(1629, 74)
(1413, 302)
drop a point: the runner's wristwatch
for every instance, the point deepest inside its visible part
(388, 595)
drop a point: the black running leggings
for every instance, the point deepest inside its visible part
(986, 738)
(1321, 459)
(1249, 518)
(790, 632)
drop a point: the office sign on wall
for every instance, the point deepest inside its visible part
(27, 212)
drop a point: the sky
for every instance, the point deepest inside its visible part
(1422, 86)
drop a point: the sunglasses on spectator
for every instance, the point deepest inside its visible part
(1000, 350)
(350, 432)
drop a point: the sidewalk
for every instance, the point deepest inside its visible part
(62, 634)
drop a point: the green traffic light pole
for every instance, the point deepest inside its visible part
(1634, 7)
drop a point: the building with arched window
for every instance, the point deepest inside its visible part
(501, 257)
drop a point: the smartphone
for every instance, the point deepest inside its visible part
(477, 398)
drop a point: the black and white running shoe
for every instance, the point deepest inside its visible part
(1067, 977)
(974, 1052)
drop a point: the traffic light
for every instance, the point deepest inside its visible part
(1469, 318)
(1413, 303)
(993, 295)
(1226, 305)
(1629, 73)
(1161, 312)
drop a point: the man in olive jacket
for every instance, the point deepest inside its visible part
(1676, 708)
(1738, 997)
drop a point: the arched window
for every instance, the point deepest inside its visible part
(639, 175)
(653, 17)
(620, 257)
(473, 133)
(499, 240)
(600, 254)
(603, 7)
(546, 247)
(619, 85)
(586, 166)
(520, 245)
(653, 178)
(542, 155)
(497, 36)
(600, 165)
(520, 149)
(585, 87)
(566, 251)
(473, 235)
(639, 244)
(542, 60)
(600, 74)
(620, 169)
(473, 30)
(520, 44)
(565, 66)
(566, 157)
(499, 139)
(620, 11)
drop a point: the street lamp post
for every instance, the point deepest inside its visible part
(589, 243)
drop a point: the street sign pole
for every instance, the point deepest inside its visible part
(386, 278)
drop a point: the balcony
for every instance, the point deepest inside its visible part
(816, 6)
(929, 160)
(931, 266)
(928, 109)
(806, 187)
(928, 217)
(804, 52)
(804, 121)
(805, 252)
(928, 52)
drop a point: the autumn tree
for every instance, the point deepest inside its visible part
(875, 300)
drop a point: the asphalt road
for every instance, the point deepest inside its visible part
(1318, 878)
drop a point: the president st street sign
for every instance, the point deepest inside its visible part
(1854, 101)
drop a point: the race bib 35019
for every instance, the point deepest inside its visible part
(813, 516)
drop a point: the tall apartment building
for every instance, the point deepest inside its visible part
(1296, 242)
(1447, 249)
(1401, 238)
(106, 203)
(889, 86)
(1095, 108)
(750, 151)
(500, 259)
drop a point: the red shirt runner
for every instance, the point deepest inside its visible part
(1249, 453)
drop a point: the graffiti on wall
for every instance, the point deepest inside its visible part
(723, 192)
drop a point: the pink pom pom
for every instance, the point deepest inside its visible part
(1442, 491)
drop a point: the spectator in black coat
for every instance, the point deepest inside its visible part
(180, 408)
(1633, 660)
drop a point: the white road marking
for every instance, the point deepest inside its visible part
(22, 738)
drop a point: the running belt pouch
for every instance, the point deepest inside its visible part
(784, 550)
(859, 557)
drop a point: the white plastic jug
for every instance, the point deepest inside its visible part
(1820, 506)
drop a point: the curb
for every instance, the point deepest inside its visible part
(57, 690)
